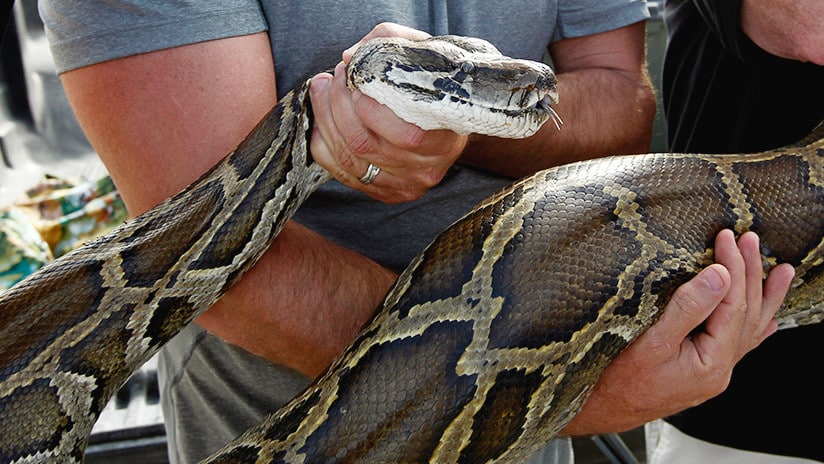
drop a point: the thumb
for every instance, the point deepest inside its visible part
(385, 30)
(692, 303)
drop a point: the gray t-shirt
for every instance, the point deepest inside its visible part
(212, 391)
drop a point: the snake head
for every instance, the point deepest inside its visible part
(458, 83)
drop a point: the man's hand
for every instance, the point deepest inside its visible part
(667, 370)
(353, 131)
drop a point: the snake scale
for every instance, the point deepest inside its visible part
(487, 344)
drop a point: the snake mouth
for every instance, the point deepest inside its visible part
(545, 104)
(550, 97)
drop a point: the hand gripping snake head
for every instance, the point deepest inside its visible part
(458, 83)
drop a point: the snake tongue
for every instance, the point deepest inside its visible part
(545, 104)
(550, 98)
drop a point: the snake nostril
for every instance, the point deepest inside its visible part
(467, 67)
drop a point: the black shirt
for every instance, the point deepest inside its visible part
(724, 94)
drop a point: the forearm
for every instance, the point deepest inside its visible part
(322, 295)
(159, 120)
(786, 28)
(606, 101)
(604, 113)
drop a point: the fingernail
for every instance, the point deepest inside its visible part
(347, 54)
(712, 278)
(319, 84)
(340, 69)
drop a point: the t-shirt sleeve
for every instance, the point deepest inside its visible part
(85, 32)
(577, 18)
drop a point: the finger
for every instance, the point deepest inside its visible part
(359, 143)
(374, 134)
(777, 285)
(755, 319)
(354, 139)
(719, 346)
(409, 137)
(328, 144)
(330, 149)
(370, 133)
(688, 308)
(775, 290)
(322, 142)
(385, 30)
(725, 323)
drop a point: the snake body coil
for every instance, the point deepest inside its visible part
(488, 343)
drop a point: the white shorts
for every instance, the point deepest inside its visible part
(668, 445)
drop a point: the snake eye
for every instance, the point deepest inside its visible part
(467, 67)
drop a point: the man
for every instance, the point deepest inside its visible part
(739, 77)
(165, 90)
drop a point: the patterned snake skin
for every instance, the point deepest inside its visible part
(488, 343)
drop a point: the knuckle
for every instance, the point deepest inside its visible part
(346, 166)
(715, 379)
(449, 146)
(412, 138)
(431, 177)
(458, 146)
(345, 160)
(686, 301)
(719, 383)
(755, 322)
(384, 29)
(360, 143)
